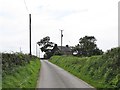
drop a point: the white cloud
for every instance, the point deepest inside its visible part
(77, 17)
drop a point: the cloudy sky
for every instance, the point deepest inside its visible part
(77, 18)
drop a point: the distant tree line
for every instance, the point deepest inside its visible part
(87, 47)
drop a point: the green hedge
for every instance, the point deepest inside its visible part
(11, 61)
(100, 71)
(19, 70)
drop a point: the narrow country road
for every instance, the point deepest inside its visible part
(52, 76)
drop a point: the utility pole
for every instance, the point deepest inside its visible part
(20, 50)
(30, 32)
(39, 53)
(61, 38)
(36, 49)
(118, 24)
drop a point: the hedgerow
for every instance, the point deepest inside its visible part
(19, 71)
(11, 61)
(100, 71)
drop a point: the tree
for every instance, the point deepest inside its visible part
(46, 46)
(87, 46)
(44, 41)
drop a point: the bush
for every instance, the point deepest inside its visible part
(100, 71)
(11, 61)
(19, 70)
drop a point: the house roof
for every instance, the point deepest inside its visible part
(64, 48)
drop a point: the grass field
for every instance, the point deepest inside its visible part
(24, 76)
(99, 71)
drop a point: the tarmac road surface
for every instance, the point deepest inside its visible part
(52, 76)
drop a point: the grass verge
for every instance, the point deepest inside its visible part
(99, 71)
(23, 77)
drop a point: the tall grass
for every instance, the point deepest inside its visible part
(99, 71)
(22, 75)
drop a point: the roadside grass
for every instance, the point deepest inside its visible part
(0, 81)
(99, 71)
(24, 76)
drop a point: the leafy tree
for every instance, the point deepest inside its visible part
(87, 47)
(46, 46)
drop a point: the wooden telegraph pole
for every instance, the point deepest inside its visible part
(118, 24)
(36, 49)
(61, 38)
(30, 32)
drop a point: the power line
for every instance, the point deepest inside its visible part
(29, 28)
(26, 6)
